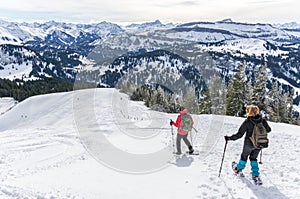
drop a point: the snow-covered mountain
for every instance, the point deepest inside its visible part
(288, 26)
(147, 26)
(238, 30)
(50, 147)
(64, 48)
(20, 62)
(42, 31)
(160, 67)
(61, 46)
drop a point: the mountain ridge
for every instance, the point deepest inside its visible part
(64, 47)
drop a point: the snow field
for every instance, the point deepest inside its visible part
(42, 155)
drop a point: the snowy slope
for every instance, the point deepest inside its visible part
(21, 64)
(265, 31)
(16, 71)
(290, 25)
(7, 38)
(11, 33)
(6, 103)
(249, 46)
(50, 148)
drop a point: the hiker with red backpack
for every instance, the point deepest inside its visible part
(252, 144)
(184, 124)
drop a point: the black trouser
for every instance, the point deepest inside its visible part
(250, 151)
(186, 141)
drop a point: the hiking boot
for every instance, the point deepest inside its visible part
(191, 150)
(236, 170)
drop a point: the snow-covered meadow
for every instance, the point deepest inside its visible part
(87, 144)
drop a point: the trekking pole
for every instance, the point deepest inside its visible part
(195, 129)
(223, 158)
(191, 138)
(260, 162)
(172, 138)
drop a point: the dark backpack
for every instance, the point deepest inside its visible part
(186, 123)
(259, 136)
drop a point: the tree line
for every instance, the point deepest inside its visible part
(275, 103)
(217, 97)
(20, 90)
(223, 97)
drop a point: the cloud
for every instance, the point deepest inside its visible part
(145, 10)
(267, 1)
(170, 4)
(188, 3)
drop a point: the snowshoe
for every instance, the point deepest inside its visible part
(177, 153)
(193, 152)
(257, 180)
(237, 171)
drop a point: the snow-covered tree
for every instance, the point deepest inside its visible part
(248, 93)
(259, 88)
(273, 103)
(282, 109)
(217, 89)
(235, 99)
(190, 100)
(280, 104)
(290, 101)
(286, 107)
(205, 102)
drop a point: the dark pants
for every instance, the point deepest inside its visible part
(178, 142)
(250, 151)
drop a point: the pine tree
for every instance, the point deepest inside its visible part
(286, 106)
(169, 103)
(217, 93)
(248, 93)
(160, 97)
(190, 100)
(273, 103)
(282, 108)
(290, 101)
(259, 89)
(223, 95)
(205, 102)
(148, 101)
(235, 99)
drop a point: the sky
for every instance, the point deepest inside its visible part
(128, 11)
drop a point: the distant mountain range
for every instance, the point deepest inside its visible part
(105, 52)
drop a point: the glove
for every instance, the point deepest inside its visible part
(227, 138)
(171, 122)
